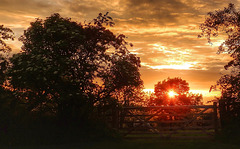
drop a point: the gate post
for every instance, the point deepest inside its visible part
(115, 117)
(215, 113)
(223, 112)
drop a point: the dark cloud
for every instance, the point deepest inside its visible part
(25, 6)
(162, 12)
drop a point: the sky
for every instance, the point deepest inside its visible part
(164, 33)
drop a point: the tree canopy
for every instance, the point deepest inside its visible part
(5, 34)
(226, 21)
(180, 93)
(65, 65)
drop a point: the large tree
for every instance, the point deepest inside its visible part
(226, 21)
(5, 34)
(67, 67)
(174, 91)
(220, 22)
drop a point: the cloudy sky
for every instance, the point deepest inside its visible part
(163, 32)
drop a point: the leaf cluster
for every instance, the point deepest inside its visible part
(224, 21)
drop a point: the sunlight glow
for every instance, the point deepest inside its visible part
(207, 96)
(206, 93)
(185, 66)
(171, 94)
(173, 58)
(148, 90)
(178, 67)
(216, 43)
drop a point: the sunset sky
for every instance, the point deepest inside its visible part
(163, 32)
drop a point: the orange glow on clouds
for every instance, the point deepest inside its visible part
(180, 66)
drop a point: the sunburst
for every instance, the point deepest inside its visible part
(172, 94)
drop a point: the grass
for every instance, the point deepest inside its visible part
(134, 144)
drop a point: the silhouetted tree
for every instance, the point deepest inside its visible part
(8, 109)
(180, 88)
(5, 34)
(5, 99)
(226, 21)
(123, 80)
(67, 68)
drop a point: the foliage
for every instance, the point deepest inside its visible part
(67, 68)
(8, 103)
(227, 21)
(5, 34)
(181, 89)
(224, 21)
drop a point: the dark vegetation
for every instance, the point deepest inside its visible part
(139, 144)
(68, 75)
(227, 21)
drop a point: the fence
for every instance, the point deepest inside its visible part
(186, 121)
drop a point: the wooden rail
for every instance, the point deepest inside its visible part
(167, 121)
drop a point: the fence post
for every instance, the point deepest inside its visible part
(222, 112)
(115, 117)
(215, 117)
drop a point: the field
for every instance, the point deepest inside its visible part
(136, 144)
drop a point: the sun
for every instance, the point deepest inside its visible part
(171, 93)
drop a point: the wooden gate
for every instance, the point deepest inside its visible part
(167, 121)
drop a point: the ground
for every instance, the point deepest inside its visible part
(135, 144)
